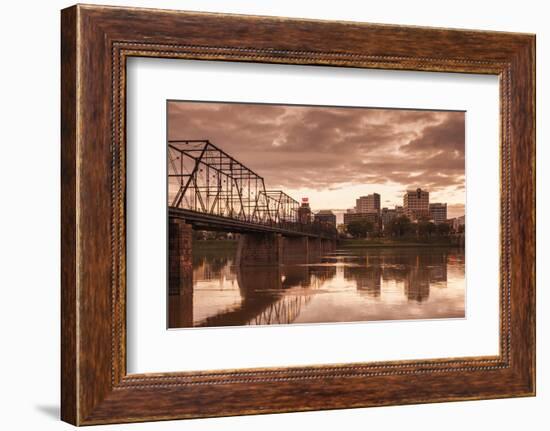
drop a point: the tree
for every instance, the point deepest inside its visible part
(443, 229)
(360, 228)
(425, 228)
(341, 228)
(400, 226)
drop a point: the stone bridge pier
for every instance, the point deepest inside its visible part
(295, 249)
(328, 246)
(259, 249)
(180, 273)
(254, 249)
(275, 249)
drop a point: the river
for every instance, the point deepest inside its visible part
(348, 285)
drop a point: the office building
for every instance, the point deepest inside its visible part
(416, 204)
(368, 204)
(326, 217)
(438, 212)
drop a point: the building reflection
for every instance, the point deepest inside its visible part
(222, 294)
(368, 279)
(417, 271)
(417, 284)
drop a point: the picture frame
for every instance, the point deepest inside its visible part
(96, 42)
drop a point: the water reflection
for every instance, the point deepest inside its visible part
(345, 286)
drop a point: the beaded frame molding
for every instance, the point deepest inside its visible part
(95, 43)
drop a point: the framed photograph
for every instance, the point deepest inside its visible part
(367, 243)
(323, 214)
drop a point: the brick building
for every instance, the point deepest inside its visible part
(304, 212)
(438, 212)
(326, 217)
(416, 204)
(368, 204)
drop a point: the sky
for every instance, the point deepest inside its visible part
(333, 155)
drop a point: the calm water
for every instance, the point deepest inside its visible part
(345, 286)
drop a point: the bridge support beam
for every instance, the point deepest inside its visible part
(180, 255)
(255, 249)
(314, 249)
(180, 273)
(327, 246)
(318, 247)
(259, 249)
(295, 249)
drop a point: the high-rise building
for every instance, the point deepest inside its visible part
(326, 217)
(438, 212)
(304, 212)
(368, 204)
(416, 204)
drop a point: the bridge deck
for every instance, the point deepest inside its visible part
(203, 221)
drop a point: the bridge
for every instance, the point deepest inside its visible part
(208, 189)
(212, 191)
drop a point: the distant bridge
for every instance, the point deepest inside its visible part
(211, 190)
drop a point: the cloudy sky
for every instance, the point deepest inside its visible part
(334, 155)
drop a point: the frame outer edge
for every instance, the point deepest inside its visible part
(523, 216)
(533, 53)
(532, 100)
(87, 397)
(69, 201)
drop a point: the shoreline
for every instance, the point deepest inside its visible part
(395, 244)
(213, 244)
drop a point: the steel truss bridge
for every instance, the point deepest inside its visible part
(213, 191)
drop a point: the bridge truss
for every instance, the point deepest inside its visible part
(204, 180)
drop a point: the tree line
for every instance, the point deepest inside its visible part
(398, 227)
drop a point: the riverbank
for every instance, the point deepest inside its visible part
(406, 242)
(231, 245)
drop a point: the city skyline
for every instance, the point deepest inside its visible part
(296, 148)
(339, 212)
